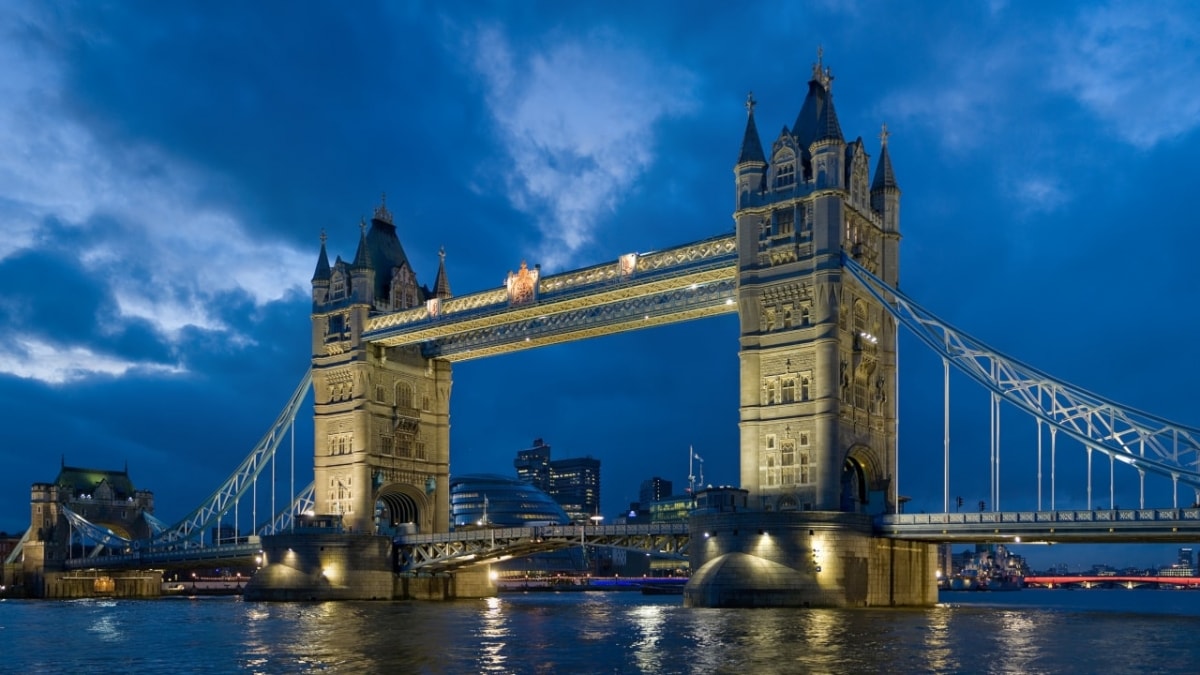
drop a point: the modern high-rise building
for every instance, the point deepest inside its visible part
(654, 490)
(573, 483)
(533, 465)
(1186, 559)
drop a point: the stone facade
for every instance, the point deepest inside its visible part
(105, 498)
(750, 558)
(818, 353)
(381, 419)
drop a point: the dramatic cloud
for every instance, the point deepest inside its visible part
(577, 120)
(31, 358)
(139, 218)
(1136, 66)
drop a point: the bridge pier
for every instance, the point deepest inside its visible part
(332, 566)
(475, 582)
(342, 566)
(804, 559)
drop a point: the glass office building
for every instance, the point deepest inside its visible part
(488, 500)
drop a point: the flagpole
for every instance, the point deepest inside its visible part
(691, 473)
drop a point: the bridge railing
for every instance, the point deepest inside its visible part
(1067, 516)
(715, 252)
(545, 531)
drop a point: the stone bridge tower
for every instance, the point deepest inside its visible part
(818, 354)
(381, 422)
(818, 382)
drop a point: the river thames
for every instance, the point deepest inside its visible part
(1029, 631)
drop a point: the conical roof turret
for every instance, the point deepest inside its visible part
(817, 119)
(362, 257)
(751, 145)
(885, 178)
(441, 285)
(322, 272)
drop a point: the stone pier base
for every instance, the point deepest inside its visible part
(474, 582)
(337, 566)
(331, 566)
(804, 559)
(98, 584)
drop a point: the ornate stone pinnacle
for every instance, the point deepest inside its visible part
(822, 74)
(381, 211)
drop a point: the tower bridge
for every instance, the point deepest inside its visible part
(811, 270)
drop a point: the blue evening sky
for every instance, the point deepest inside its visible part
(167, 169)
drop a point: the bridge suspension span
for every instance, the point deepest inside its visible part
(1144, 441)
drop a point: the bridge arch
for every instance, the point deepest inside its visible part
(861, 470)
(400, 507)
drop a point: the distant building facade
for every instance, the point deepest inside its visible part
(574, 483)
(654, 490)
(103, 497)
(533, 465)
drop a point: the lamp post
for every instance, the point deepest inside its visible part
(595, 523)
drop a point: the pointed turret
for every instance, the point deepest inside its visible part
(885, 178)
(322, 272)
(817, 119)
(751, 168)
(885, 192)
(362, 257)
(828, 127)
(751, 146)
(321, 276)
(441, 285)
(362, 274)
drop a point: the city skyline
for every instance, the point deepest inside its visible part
(171, 172)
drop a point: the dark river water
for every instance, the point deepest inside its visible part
(1029, 631)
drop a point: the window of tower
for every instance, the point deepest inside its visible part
(805, 387)
(788, 315)
(789, 390)
(785, 175)
(805, 469)
(860, 318)
(404, 395)
(785, 221)
(337, 286)
(787, 461)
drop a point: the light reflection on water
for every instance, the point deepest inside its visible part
(603, 633)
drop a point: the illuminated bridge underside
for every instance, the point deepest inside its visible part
(435, 553)
(1117, 526)
(688, 282)
(181, 558)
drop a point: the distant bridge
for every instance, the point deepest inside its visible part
(1096, 581)
(1097, 526)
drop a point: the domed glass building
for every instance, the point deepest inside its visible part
(491, 500)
